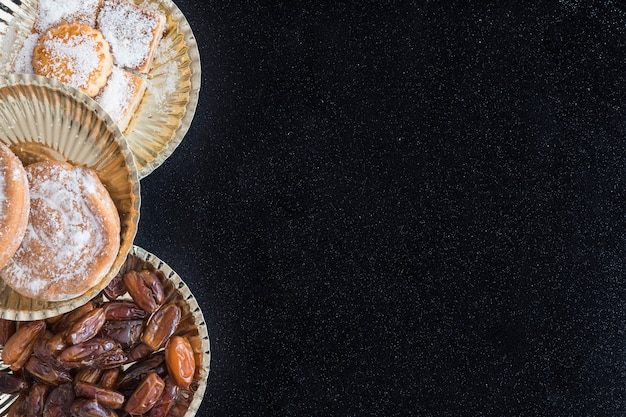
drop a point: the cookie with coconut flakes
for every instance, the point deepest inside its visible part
(75, 54)
(133, 32)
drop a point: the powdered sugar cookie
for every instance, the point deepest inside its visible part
(75, 54)
(132, 31)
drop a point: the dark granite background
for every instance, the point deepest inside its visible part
(404, 208)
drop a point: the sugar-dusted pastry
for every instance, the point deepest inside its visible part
(14, 203)
(75, 54)
(52, 12)
(72, 237)
(132, 31)
(121, 96)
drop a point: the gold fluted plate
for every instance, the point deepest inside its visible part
(192, 325)
(43, 119)
(168, 107)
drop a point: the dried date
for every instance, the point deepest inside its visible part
(68, 319)
(136, 372)
(99, 352)
(46, 372)
(86, 327)
(91, 375)
(36, 400)
(179, 358)
(123, 310)
(139, 352)
(7, 328)
(146, 395)
(145, 289)
(107, 397)
(116, 288)
(47, 348)
(126, 332)
(59, 401)
(56, 344)
(109, 378)
(166, 401)
(18, 408)
(20, 345)
(11, 384)
(84, 407)
(161, 326)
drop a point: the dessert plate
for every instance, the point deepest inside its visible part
(169, 104)
(43, 119)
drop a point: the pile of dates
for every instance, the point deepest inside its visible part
(112, 357)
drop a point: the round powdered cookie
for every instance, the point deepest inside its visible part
(75, 54)
(14, 203)
(72, 237)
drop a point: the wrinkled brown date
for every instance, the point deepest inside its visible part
(47, 349)
(20, 345)
(180, 361)
(145, 289)
(133, 375)
(56, 343)
(166, 400)
(68, 319)
(59, 401)
(36, 400)
(91, 375)
(104, 396)
(47, 373)
(116, 288)
(7, 328)
(84, 407)
(109, 378)
(11, 384)
(161, 326)
(139, 352)
(86, 327)
(123, 310)
(100, 352)
(18, 408)
(146, 395)
(126, 332)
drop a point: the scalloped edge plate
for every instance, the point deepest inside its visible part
(45, 119)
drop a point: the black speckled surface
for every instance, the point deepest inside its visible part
(404, 208)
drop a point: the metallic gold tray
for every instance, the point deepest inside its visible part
(45, 119)
(192, 325)
(167, 109)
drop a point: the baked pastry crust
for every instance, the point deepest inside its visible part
(132, 31)
(14, 203)
(72, 237)
(75, 54)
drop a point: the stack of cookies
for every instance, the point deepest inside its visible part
(103, 48)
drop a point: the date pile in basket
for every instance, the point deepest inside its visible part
(126, 352)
